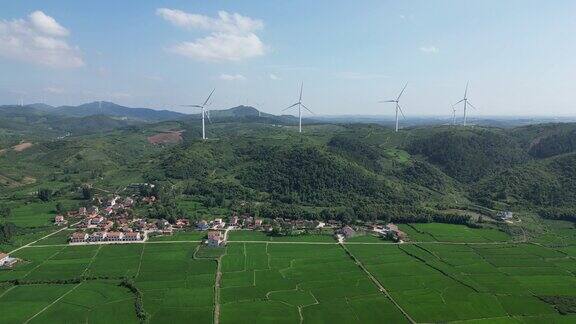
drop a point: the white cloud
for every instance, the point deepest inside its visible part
(232, 36)
(226, 22)
(274, 77)
(232, 77)
(47, 25)
(39, 39)
(429, 49)
(221, 47)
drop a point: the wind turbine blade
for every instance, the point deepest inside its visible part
(308, 109)
(466, 91)
(401, 112)
(301, 88)
(458, 102)
(296, 104)
(471, 105)
(386, 101)
(401, 92)
(205, 102)
(196, 106)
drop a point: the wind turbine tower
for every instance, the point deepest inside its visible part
(205, 113)
(300, 105)
(397, 103)
(453, 115)
(466, 102)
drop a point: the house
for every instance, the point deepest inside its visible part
(215, 238)
(132, 236)
(78, 237)
(202, 225)
(167, 230)
(128, 202)
(162, 223)
(59, 220)
(505, 215)
(395, 233)
(114, 236)
(98, 236)
(182, 222)
(82, 211)
(92, 210)
(95, 221)
(258, 222)
(234, 220)
(347, 231)
(6, 261)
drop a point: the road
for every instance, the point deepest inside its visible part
(43, 237)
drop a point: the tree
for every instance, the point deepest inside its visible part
(60, 208)
(87, 192)
(5, 211)
(44, 194)
(7, 231)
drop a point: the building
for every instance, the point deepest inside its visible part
(95, 221)
(78, 237)
(234, 220)
(347, 231)
(59, 220)
(132, 236)
(258, 222)
(395, 233)
(215, 238)
(162, 223)
(98, 236)
(505, 215)
(114, 236)
(202, 225)
(6, 261)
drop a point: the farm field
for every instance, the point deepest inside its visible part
(264, 280)
(287, 283)
(431, 232)
(246, 235)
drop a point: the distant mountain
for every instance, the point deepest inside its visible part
(41, 121)
(246, 114)
(112, 109)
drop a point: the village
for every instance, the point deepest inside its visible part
(113, 221)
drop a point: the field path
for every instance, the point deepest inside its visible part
(52, 303)
(43, 237)
(377, 283)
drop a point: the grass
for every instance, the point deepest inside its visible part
(181, 236)
(36, 214)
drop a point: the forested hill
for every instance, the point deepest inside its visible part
(356, 170)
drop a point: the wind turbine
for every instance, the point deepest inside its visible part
(453, 115)
(300, 105)
(466, 102)
(205, 112)
(397, 102)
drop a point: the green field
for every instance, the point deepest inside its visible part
(461, 275)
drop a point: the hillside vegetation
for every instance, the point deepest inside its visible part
(261, 164)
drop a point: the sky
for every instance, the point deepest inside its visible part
(518, 55)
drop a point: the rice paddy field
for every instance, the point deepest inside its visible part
(446, 273)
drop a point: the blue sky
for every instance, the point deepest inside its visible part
(519, 56)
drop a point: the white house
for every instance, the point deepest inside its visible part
(6, 260)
